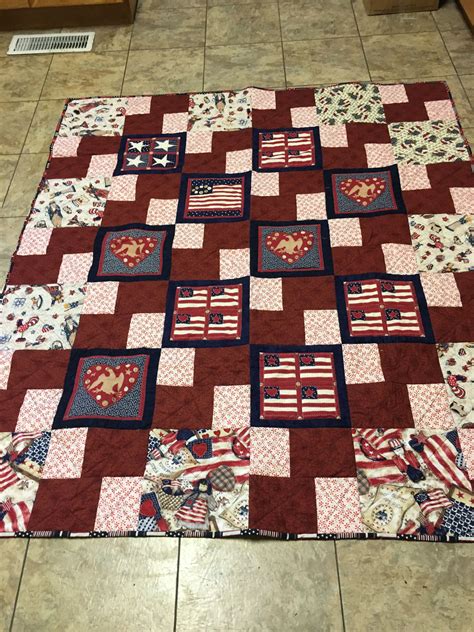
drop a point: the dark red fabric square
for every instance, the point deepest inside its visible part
(321, 452)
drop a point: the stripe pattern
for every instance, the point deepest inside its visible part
(207, 313)
(290, 148)
(215, 197)
(376, 307)
(298, 386)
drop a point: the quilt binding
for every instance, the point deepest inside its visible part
(235, 533)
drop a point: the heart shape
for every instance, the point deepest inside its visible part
(107, 385)
(271, 391)
(200, 449)
(132, 250)
(147, 508)
(290, 247)
(362, 190)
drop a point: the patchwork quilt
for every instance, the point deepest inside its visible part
(245, 313)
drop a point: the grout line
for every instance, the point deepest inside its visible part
(177, 587)
(205, 46)
(128, 51)
(281, 43)
(447, 51)
(45, 77)
(340, 588)
(361, 42)
(19, 585)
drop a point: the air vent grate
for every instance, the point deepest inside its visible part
(51, 43)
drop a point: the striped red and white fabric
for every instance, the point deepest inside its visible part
(284, 149)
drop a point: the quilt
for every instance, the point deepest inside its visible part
(245, 313)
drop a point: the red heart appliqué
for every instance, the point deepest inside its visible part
(107, 385)
(200, 449)
(132, 250)
(290, 246)
(363, 190)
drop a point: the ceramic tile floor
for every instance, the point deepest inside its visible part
(233, 586)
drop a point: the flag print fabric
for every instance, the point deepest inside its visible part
(245, 313)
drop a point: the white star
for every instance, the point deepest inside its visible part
(135, 162)
(161, 161)
(165, 145)
(136, 145)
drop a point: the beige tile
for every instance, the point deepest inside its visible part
(305, 20)
(469, 133)
(107, 38)
(415, 22)
(231, 67)
(411, 55)
(180, 70)
(7, 169)
(4, 268)
(468, 84)
(460, 45)
(394, 586)
(14, 122)
(22, 77)
(84, 75)
(245, 585)
(324, 61)
(25, 182)
(10, 227)
(43, 125)
(449, 17)
(114, 584)
(180, 3)
(215, 3)
(157, 28)
(12, 552)
(229, 24)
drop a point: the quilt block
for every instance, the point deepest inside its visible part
(245, 313)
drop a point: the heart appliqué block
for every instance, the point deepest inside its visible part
(107, 385)
(290, 247)
(133, 250)
(363, 190)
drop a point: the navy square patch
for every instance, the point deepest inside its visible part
(214, 197)
(298, 387)
(279, 249)
(132, 252)
(287, 149)
(207, 313)
(109, 389)
(151, 153)
(360, 192)
(382, 308)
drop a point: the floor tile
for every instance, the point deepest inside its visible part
(107, 38)
(12, 554)
(231, 24)
(11, 228)
(7, 169)
(84, 74)
(460, 45)
(391, 54)
(449, 17)
(266, 585)
(415, 22)
(214, 3)
(42, 127)
(181, 70)
(158, 28)
(395, 586)
(469, 133)
(114, 584)
(303, 20)
(23, 77)
(4, 267)
(315, 62)
(25, 182)
(468, 84)
(231, 67)
(14, 123)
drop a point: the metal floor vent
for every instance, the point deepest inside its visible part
(51, 43)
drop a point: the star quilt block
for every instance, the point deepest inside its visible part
(143, 153)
